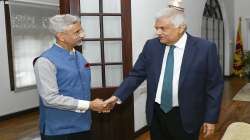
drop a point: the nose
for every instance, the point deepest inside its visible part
(82, 34)
(158, 31)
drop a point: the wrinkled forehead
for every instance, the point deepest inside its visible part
(164, 21)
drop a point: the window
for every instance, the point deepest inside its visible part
(213, 27)
(103, 46)
(27, 37)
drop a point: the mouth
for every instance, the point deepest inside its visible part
(161, 38)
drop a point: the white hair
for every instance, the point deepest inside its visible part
(177, 18)
(58, 23)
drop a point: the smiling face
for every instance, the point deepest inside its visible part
(167, 32)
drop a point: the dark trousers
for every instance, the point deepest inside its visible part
(168, 126)
(74, 136)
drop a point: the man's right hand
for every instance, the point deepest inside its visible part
(97, 105)
(110, 103)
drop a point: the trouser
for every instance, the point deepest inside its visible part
(168, 126)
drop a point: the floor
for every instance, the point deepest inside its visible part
(231, 111)
(25, 127)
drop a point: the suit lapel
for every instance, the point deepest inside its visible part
(158, 61)
(187, 59)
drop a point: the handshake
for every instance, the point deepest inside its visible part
(106, 106)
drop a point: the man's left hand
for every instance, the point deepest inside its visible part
(208, 129)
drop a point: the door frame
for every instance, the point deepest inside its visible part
(122, 115)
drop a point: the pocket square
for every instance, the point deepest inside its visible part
(87, 65)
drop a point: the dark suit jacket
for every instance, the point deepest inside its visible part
(200, 82)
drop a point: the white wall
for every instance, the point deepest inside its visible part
(143, 13)
(242, 10)
(194, 12)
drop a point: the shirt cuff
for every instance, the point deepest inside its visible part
(82, 106)
(119, 101)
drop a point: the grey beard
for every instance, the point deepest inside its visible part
(79, 43)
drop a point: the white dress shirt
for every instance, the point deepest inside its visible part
(178, 55)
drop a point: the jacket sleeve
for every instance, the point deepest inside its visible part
(136, 76)
(214, 87)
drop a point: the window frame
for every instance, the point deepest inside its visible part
(73, 7)
(10, 51)
(212, 10)
(9, 45)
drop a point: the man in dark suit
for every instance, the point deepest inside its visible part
(184, 81)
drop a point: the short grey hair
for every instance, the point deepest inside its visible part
(176, 17)
(58, 23)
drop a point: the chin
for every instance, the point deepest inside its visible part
(79, 43)
(163, 42)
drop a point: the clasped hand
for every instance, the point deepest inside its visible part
(106, 106)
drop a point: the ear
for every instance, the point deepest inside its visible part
(60, 36)
(182, 29)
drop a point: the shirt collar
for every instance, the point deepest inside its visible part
(71, 52)
(181, 43)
